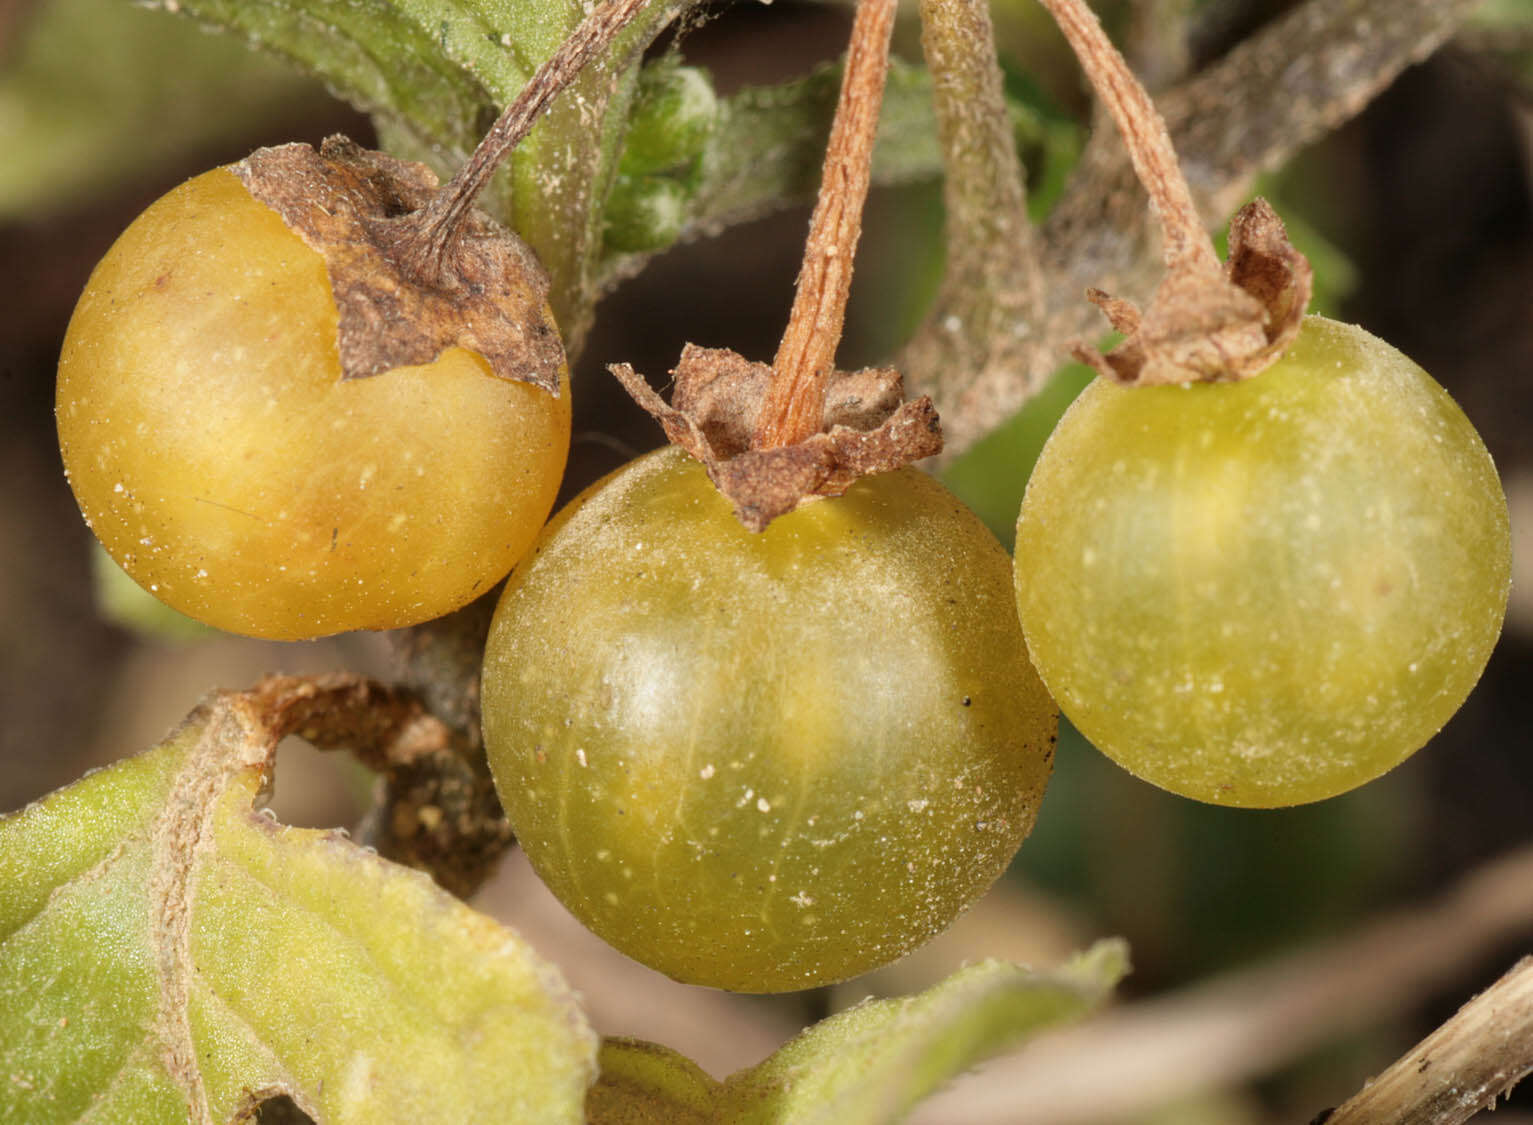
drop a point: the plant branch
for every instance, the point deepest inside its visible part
(1461, 1068)
(1330, 57)
(1249, 1023)
(794, 409)
(992, 290)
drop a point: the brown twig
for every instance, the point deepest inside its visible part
(379, 723)
(426, 236)
(1158, 46)
(1247, 1024)
(795, 404)
(1461, 1068)
(441, 814)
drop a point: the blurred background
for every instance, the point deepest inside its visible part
(1419, 218)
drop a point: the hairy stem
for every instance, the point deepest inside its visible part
(992, 289)
(428, 235)
(795, 404)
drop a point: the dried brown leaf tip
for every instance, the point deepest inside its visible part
(347, 203)
(1212, 327)
(717, 402)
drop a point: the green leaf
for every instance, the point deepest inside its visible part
(647, 1084)
(98, 92)
(870, 1065)
(767, 144)
(168, 953)
(866, 1066)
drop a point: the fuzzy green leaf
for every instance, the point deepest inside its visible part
(866, 1066)
(168, 953)
(872, 1064)
(767, 144)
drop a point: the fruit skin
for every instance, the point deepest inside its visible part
(764, 761)
(223, 462)
(1267, 592)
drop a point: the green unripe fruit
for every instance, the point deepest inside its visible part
(764, 761)
(1265, 592)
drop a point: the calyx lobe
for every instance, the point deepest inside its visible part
(352, 206)
(1218, 326)
(713, 414)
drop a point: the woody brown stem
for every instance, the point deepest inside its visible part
(795, 404)
(1461, 1068)
(1186, 244)
(427, 236)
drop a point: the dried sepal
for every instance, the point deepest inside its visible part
(347, 202)
(717, 402)
(1212, 328)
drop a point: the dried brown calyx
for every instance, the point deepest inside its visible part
(414, 267)
(345, 202)
(774, 436)
(716, 408)
(1205, 322)
(1212, 327)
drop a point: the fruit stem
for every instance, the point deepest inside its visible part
(425, 242)
(1186, 245)
(794, 408)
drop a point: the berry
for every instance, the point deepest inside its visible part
(1265, 592)
(764, 761)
